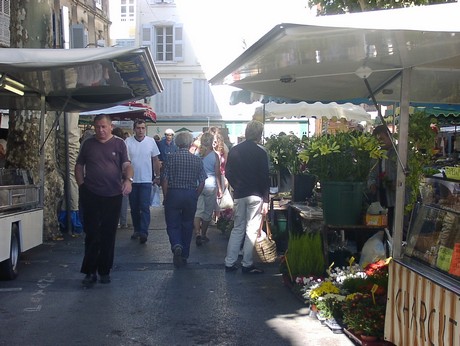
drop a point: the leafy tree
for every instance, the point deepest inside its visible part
(326, 7)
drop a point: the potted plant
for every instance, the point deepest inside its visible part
(365, 314)
(304, 256)
(284, 152)
(342, 162)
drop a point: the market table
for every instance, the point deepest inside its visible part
(305, 218)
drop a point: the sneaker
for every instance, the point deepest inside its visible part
(142, 239)
(177, 259)
(232, 268)
(89, 280)
(104, 279)
(251, 270)
(198, 240)
(135, 235)
(205, 239)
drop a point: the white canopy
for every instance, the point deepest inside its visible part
(409, 56)
(323, 62)
(331, 110)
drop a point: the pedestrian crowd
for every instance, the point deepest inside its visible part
(114, 169)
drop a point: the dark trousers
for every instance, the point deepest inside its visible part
(100, 226)
(180, 208)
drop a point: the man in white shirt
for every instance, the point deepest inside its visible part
(143, 153)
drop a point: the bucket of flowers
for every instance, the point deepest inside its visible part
(364, 314)
(365, 307)
(225, 221)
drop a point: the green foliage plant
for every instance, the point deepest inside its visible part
(305, 256)
(283, 150)
(342, 157)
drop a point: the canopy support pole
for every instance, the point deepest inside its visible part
(398, 226)
(390, 135)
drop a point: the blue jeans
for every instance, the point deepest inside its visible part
(180, 208)
(139, 201)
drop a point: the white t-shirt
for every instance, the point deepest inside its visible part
(140, 155)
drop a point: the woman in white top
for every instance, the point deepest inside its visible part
(212, 188)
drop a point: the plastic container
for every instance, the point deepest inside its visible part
(342, 203)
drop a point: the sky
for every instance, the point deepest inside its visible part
(218, 28)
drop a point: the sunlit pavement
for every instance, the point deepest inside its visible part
(148, 302)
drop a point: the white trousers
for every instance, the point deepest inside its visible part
(247, 222)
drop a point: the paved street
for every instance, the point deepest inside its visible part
(149, 302)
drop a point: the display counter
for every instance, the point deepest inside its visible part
(424, 285)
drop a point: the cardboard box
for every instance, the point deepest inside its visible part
(376, 220)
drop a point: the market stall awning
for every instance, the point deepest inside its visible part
(443, 115)
(328, 60)
(318, 110)
(130, 111)
(405, 56)
(76, 79)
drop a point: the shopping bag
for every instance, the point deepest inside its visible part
(226, 201)
(155, 196)
(265, 246)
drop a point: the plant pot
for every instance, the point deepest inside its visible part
(284, 180)
(302, 187)
(368, 338)
(342, 203)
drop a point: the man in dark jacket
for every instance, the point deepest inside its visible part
(247, 173)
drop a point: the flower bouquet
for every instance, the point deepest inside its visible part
(225, 221)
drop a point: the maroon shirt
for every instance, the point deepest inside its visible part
(103, 165)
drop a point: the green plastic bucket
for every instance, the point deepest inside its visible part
(342, 203)
(281, 223)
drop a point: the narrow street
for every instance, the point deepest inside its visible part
(149, 302)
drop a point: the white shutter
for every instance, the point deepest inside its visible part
(146, 36)
(178, 43)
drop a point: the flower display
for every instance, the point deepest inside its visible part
(354, 296)
(365, 313)
(225, 221)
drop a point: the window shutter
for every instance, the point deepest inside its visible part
(147, 36)
(178, 43)
(79, 37)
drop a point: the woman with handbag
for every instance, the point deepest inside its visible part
(212, 189)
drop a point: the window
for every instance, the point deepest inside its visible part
(5, 23)
(165, 41)
(99, 4)
(169, 101)
(203, 99)
(127, 9)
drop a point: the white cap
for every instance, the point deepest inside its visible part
(169, 131)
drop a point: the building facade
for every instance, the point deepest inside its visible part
(187, 100)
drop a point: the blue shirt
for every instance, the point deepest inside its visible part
(166, 149)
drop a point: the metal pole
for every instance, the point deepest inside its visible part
(67, 174)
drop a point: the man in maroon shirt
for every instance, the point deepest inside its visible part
(104, 175)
